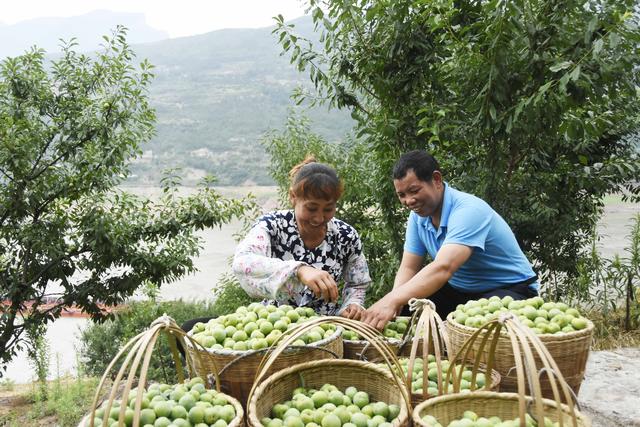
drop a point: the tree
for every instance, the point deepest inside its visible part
(527, 104)
(68, 234)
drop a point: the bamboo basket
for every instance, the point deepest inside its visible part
(362, 350)
(431, 338)
(237, 369)
(569, 350)
(381, 384)
(140, 348)
(529, 354)
(450, 407)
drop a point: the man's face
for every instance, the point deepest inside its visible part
(424, 198)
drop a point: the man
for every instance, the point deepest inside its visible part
(475, 254)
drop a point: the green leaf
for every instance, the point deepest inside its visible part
(560, 66)
(597, 47)
(575, 74)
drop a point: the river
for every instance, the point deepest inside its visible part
(62, 335)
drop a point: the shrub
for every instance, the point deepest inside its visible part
(100, 342)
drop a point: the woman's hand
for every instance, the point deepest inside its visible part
(319, 281)
(353, 311)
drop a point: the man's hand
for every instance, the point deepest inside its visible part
(381, 312)
(353, 311)
(320, 282)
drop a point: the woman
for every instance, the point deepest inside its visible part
(299, 256)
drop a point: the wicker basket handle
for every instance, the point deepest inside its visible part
(364, 330)
(139, 349)
(523, 343)
(430, 328)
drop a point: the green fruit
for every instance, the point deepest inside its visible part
(579, 323)
(350, 392)
(394, 411)
(162, 422)
(381, 408)
(147, 416)
(331, 420)
(187, 401)
(319, 398)
(360, 399)
(336, 397)
(359, 419)
(178, 412)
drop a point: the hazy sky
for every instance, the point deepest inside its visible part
(178, 18)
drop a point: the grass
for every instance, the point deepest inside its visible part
(69, 400)
(609, 332)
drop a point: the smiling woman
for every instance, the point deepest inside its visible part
(299, 256)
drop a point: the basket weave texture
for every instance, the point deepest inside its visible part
(365, 376)
(133, 361)
(569, 350)
(450, 407)
(237, 369)
(361, 350)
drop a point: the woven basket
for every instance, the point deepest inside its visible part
(450, 407)
(140, 348)
(569, 350)
(432, 338)
(381, 384)
(237, 369)
(532, 360)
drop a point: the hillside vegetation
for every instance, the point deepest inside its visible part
(215, 96)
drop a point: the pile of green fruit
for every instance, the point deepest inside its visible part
(330, 407)
(418, 373)
(257, 326)
(181, 405)
(542, 317)
(471, 419)
(392, 330)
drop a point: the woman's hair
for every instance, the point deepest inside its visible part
(313, 180)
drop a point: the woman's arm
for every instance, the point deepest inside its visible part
(356, 281)
(261, 275)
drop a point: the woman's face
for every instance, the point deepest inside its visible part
(312, 215)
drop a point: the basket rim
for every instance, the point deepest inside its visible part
(251, 416)
(543, 337)
(417, 420)
(226, 352)
(364, 342)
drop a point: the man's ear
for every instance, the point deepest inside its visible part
(292, 198)
(436, 177)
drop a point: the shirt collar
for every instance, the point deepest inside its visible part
(444, 215)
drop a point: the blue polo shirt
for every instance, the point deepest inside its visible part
(496, 260)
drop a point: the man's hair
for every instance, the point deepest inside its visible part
(422, 163)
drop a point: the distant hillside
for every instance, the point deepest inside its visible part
(88, 29)
(216, 94)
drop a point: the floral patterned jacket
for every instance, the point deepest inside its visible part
(267, 260)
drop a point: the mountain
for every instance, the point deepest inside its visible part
(88, 29)
(215, 96)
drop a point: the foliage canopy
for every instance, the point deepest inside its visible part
(531, 105)
(68, 235)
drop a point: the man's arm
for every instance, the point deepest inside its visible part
(422, 285)
(409, 267)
